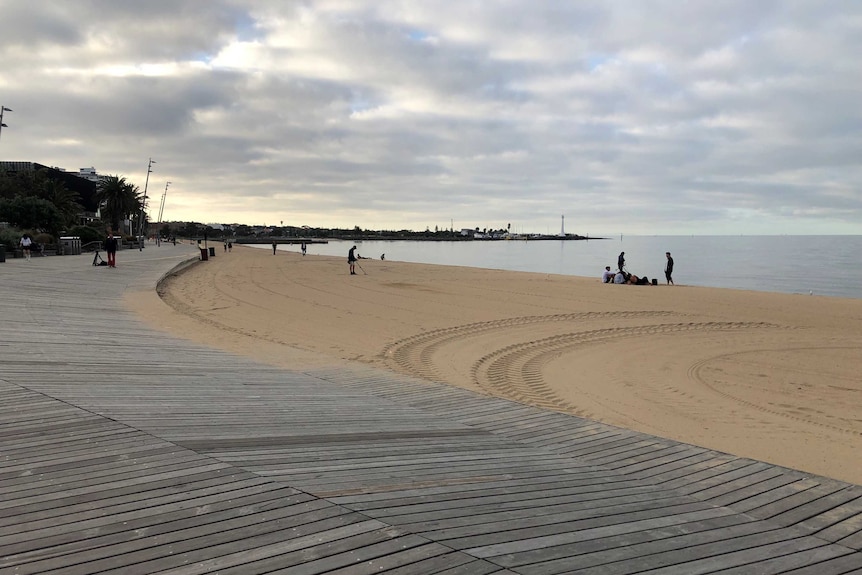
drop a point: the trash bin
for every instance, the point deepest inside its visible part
(71, 245)
(2, 253)
(204, 256)
(212, 252)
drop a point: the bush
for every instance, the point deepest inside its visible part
(44, 239)
(9, 237)
(87, 234)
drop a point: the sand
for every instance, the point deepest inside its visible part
(768, 376)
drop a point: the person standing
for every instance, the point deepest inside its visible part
(274, 246)
(26, 243)
(303, 248)
(668, 269)
(621, 261)
(111, 249)
(351, 260)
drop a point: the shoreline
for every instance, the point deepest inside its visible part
(763, 375)
(759, 265)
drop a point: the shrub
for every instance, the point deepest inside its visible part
(87, 234)
(9, 237)
(44, 239)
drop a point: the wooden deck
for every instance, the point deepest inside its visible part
(124, 450)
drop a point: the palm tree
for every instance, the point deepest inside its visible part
(65, 200)
(117, 198)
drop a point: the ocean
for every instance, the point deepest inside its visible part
(821, 265)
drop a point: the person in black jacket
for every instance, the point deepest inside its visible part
(111, 249)
(351, 260)
(668, 269)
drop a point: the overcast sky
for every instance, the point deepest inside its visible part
(638, 117)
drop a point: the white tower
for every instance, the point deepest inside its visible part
(563, 226)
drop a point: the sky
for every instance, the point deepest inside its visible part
(632, 116)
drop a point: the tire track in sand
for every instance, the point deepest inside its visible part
(515, 371)
(695, 373)
(416, 354)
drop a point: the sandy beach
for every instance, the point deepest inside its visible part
(769, 376)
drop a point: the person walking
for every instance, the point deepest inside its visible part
(621, 261)
(26, 243)
(303, 248)
(111, 249)
(351, 260)
(668, 269)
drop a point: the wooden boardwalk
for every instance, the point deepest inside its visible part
(125, 450)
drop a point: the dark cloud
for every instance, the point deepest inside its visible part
(636, 116)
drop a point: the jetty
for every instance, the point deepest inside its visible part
(126, 450)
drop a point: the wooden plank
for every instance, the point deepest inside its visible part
(194, 463)
(563, 545)
(830, 559)
(124, 534)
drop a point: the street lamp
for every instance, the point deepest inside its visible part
(144, 206)
(161, 210)
(162, 205)
(2, 110)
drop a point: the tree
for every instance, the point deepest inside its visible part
(192, 229)
(65, 200)
(117, 199)
(32, 213)
(17, 184)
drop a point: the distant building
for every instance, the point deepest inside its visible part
(89, 174)
(85, 185)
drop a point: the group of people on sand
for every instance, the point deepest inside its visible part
(621, 276)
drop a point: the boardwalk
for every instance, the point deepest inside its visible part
(125, 450)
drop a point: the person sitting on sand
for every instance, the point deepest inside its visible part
(620, 278)
(608, 275)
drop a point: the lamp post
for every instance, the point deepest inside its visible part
(161, 211)
(162, 206)
(144, 206)
(2, 110)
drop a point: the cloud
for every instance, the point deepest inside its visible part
(637, 117)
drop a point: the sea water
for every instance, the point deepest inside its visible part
(821, 265)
